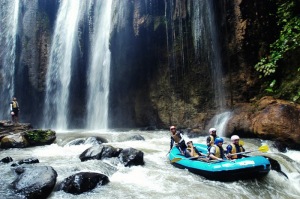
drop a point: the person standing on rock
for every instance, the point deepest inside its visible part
(14, 110)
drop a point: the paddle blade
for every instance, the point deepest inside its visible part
(264, 148)
(175, 160)
(241, 143)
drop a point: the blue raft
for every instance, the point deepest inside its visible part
(245, 168)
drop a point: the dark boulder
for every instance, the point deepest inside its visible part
(99, 152)
(6, 160)
(82, 182)
(131, 157)
(35, 182)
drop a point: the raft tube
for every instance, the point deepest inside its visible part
(228, 170)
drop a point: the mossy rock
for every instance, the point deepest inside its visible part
(38, 137)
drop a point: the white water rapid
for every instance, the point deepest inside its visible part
(99, 71)
(157, 179)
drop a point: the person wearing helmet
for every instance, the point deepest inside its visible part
(14, 110)
(211, 138)
(235, 147)
(191, 150)
(177, 138)
(216, 151)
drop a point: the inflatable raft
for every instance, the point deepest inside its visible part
(228, 170)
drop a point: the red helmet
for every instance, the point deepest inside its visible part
(172, 127)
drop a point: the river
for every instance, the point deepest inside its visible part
(157, 178)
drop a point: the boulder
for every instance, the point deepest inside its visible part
(131, 157)
(269, 118)
(99, 152)
(39, 137)
(14, 141)
(136, 137)
(34, 182)
(6, 160)
(82, 182)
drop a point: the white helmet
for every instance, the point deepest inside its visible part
(211, 130)
(235, 137)
(12, 113)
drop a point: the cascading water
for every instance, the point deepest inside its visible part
(99, 71)
(206, 41)
(60, 64)
(9, 16)
(206, 36)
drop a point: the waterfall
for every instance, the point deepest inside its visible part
(206, 44)
(9, 16)
(99, 69)
(219, 122)
(60, 64)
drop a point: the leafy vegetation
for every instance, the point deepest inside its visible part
(39, 136)
(288, 16)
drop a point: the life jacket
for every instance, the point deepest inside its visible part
(194, 154)
(212, 141)
(219, 152)
(234, 150)
(177, 138)
(14, 104)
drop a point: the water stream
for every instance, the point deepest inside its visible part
(157, 178)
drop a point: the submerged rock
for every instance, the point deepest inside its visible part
(6, 160)
(26, 161)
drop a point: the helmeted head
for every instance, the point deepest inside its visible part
(219, 140)
(234, 137)
(12, 113)
(189, 142)
(172, 128)
(212, 131)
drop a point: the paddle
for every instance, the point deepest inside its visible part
(241, 142)
(263, 148)
(178, 159)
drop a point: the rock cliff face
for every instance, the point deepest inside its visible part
(158, 75)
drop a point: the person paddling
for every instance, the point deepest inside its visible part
(235, 147)
(216, 151)
(177, 138)
(211, 138)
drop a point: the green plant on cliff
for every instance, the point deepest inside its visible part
(289, 38)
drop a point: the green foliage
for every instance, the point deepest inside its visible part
(270, 89)
(39, 135)
(289, 38)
